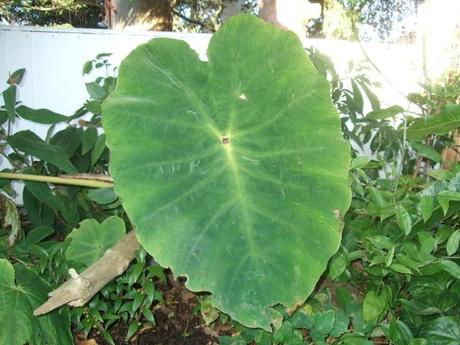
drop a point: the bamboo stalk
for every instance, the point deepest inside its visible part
(58, 180)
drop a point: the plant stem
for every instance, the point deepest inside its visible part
(57, 180)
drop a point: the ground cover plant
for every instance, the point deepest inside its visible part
(242, 162)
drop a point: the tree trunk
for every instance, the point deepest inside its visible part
(139, 14)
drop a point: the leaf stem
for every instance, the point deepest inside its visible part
(57, 180)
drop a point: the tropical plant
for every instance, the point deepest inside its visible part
(395, 278)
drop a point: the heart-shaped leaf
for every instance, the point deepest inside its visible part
(233, 170)
(91, 239)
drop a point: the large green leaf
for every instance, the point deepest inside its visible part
(18, 299)
(233, 171)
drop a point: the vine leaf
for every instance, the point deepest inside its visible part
(233, 170)
(18, 298)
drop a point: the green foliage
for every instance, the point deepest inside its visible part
(395, 278)
(21, 291)
(213, 146)
(92, 239)
(128, 299)
(52, 213)
(444, 122)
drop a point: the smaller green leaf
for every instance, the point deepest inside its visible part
(138, 299)
(16, 77)
(103, 55)
(232, 340)
(389, 257)
(324, 322)
(427, 152)
(9, 98)
(426, 207)
(399, 333)
(338, 265)
(374, 306)
(3, 116)
(384, 113)
(149, 289)
(381, 242)
(441, 174)
(427, 243)
(442, 123)
(403, 219)
(135, 273)
(93, 106)
(373, 99)
(453, 243)
(96, 91)
(132, 329)
(99, 148)
(418, 341)
(108, 337)
(445, 197)
(148, 315)
(68, 139)
(89, 139)
(342, 321)
(354, 339)
(400, 269)
(43, 116)
(359, 162)
(91, 239)
(87, 67)
(357, 96)
(102, 196)
(29, 143)
(38, 234)
(451, 267)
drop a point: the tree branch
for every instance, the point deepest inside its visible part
(79, 290)
(190, 20)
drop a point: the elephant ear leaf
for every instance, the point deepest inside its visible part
(21, 292)
(233, 170)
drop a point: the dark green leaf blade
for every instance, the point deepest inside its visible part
(43, 116)
(382, 114)
(29, 143)
(9, 98)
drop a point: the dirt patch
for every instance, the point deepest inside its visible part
(177, 323)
